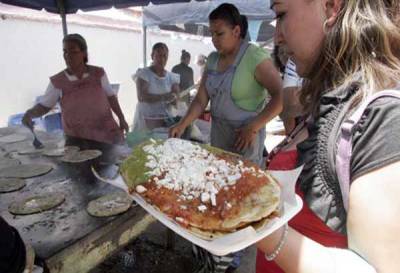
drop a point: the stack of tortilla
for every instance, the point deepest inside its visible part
(204, 189)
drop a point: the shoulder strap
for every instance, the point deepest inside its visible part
(344, 150)
(212, 61)
(242, 51)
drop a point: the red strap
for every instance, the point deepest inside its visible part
(305, 222)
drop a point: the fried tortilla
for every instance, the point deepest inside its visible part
(201, 187)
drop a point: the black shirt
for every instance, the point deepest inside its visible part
(12, 249)
(186, 74)
(375, 144)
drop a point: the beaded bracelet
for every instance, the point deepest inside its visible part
(278, 248)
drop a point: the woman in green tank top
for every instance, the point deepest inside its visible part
(235, 82)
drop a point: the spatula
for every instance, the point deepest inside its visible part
(36, 142)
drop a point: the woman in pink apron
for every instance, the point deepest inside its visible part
(349, 54)
(86, 98)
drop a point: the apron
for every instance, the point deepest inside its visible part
(305, 222)
(85, 110)
(227, 116)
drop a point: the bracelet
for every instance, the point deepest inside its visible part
(278, 248)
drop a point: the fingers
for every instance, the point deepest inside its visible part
(124, 127)
(27, 121)
(172, 132)
(242, 144)
(243, 140)
(175, 132)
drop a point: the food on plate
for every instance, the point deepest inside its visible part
(203, 188)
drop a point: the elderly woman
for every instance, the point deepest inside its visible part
(86, 98)
(348, 52)
(156, 88)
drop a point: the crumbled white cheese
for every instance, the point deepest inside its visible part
(191, 170)
(205, 197)
(180, 219)
(202, 208)
(213, 199)
(183, 207)
(140, 189)
(233, 178)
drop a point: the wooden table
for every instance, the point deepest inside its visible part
(67, 238)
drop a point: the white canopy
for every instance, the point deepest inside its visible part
(197, 12)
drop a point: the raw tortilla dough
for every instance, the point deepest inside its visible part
(60, 151)
(12, 138)
(109, 205)
(8, 162)
(11, 184)
(25, 170)
(81, 156)
(37, 203)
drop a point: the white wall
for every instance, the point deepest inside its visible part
(31, 51)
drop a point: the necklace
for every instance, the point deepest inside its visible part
(292, 135)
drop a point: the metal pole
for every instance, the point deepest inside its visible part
(61, 10)
(144, 46)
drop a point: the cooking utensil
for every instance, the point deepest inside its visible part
(36, 142)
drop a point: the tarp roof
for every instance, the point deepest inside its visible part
(197, 12)
(193, 17)
(72, 6)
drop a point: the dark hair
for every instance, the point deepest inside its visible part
(185, 55)
(230, 14)
(277, 60)
(159, 45)
(79, 40)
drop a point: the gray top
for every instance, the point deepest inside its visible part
(375, 144)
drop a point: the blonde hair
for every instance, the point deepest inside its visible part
(362, 48)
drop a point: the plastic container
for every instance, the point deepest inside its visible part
(52, 122)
